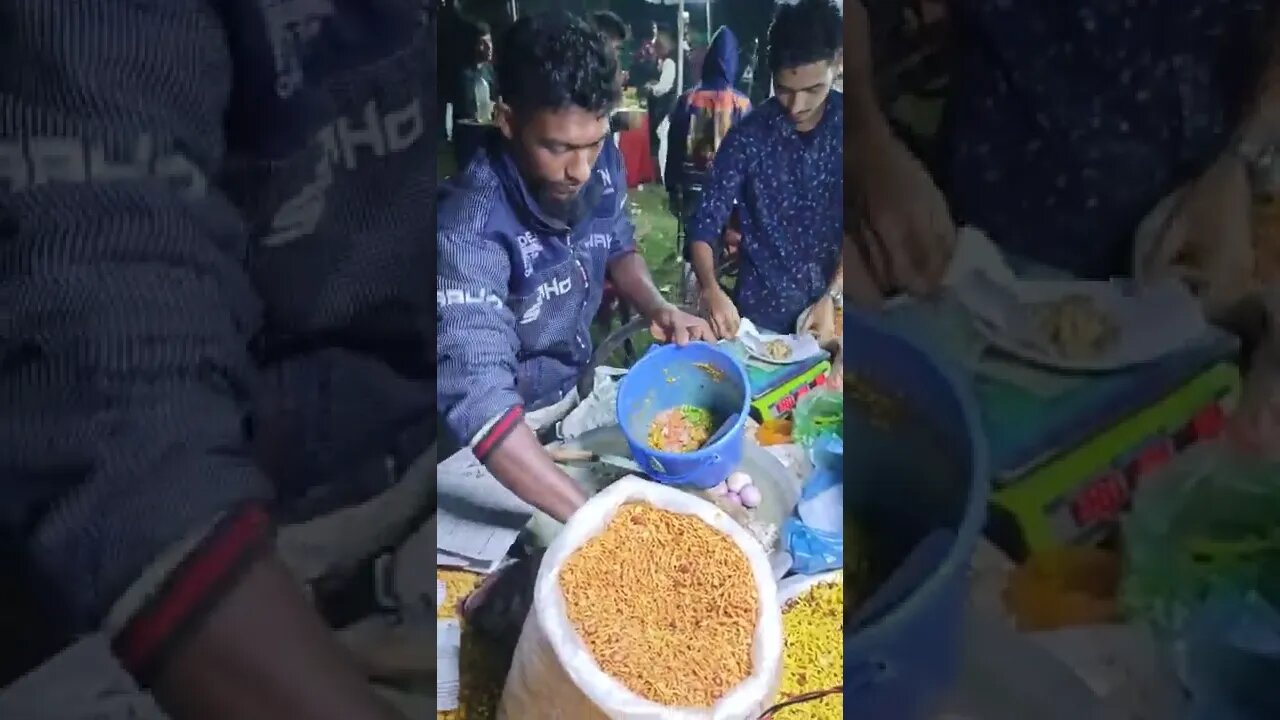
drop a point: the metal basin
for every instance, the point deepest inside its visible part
(779, 488)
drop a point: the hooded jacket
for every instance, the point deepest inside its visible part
(703, 115)
(516, 291)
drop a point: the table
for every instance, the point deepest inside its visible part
(637, 153)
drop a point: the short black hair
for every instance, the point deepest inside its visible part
(611, 25)
(552, 61)
(806, 32)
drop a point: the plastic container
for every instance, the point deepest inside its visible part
(907, 484)
(697, 374)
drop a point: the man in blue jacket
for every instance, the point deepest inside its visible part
(214, 219)
(527, 236)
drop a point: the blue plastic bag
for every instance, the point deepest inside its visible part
(814, 534)
(1232, 651)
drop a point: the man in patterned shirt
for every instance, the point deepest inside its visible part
(1066, 125)
(783, 165)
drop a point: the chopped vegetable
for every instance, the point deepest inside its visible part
(680, 429)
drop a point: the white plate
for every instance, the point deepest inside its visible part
(1152, 323)
(753, 340)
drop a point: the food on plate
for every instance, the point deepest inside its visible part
(777, 349)
(680, 429)
(1076, 327)
(813, 652)
(749, 496)
(674, 624)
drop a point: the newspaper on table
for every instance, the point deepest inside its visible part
(448, 670)
(478, 520)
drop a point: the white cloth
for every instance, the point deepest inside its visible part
(484, 100)
(666, 78)
(663, 129)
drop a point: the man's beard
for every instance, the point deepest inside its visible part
(567, 210)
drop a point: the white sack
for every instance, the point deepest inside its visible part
(554, 674)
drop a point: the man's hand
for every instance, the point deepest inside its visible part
(820, 320)
(1207, 239)
(721, 311)
(263, 654)
(671, 324)
(910, 234)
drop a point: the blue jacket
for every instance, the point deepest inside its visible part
(516, 291)
(214, 219)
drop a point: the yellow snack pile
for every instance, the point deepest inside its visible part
(481, 677)
(813, 652)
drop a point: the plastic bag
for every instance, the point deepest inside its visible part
(553, 674)
(1232, 646)
(814, 535)
(1203, 570)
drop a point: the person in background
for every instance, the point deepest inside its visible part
(1065, 128)
(477, 95)
(662, 93)
(644, 66)
(526, 236)
(703, 115)
(782, 165)
(701, 119)
(221, 350)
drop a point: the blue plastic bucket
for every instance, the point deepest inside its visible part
(668, 376)
(924, 477)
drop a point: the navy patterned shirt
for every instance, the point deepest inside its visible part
(789, 190)
(1069, 121)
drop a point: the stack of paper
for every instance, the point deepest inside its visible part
(448, 651)
(478, 520)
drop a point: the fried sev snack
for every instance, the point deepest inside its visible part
(813, 652)
(666, 604)
(1076, 327)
